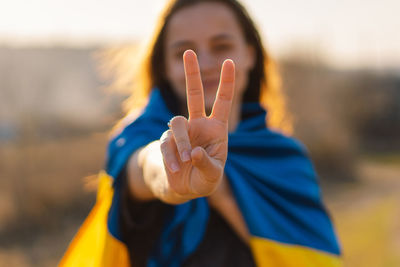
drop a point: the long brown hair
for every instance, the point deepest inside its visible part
(264, 80)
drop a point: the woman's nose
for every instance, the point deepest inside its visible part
(207, 62)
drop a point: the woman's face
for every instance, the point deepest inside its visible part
(212, 31)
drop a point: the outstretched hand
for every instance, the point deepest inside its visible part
(194, 150)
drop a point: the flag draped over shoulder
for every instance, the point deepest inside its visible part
(272, 180)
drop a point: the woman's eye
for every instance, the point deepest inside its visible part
(222, 47)
(179, 54)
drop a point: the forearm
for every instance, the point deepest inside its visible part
(147, 178)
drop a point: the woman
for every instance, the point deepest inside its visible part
(190, 198)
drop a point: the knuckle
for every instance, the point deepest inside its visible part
(178, 121)
(224, 96)
(181, 143)
(167, 154)
(229, 79)
(193, 72)
(195, 91)
(165, 139)
(163, 145)
(165, 135)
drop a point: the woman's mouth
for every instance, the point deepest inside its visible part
(210, 85)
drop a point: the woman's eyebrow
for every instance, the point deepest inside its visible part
(222, 36)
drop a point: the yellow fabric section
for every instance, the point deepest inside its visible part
(271, 253)
(93, 245)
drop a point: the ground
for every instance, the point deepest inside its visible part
(37, 220)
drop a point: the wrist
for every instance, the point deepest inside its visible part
(222, 194)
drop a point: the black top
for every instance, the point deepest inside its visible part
(141, 224)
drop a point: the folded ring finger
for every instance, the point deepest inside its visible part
(179, 127)
(168, 151)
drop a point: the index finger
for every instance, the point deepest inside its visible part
(194, 86)
(223, 101)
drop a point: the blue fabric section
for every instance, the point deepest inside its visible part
(271, 176)
(183, 233)
(285, 198)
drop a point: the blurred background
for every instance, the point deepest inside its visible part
(340, 64)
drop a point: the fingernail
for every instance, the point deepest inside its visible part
(185, 156)
(174, 167)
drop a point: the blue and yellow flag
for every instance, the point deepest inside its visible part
(272, 180)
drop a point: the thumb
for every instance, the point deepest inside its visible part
(209, 167)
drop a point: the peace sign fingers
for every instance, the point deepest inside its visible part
(199, 145)
(194, 86)
(194, 89)
(223, 101)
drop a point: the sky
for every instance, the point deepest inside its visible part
(345, 33)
